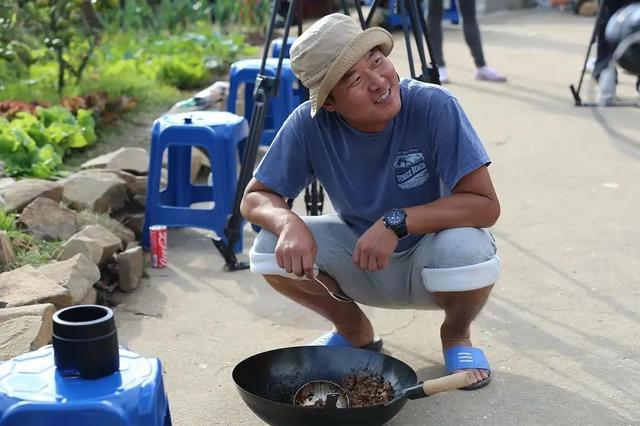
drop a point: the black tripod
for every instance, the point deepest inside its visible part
(267, 87)
(594, 35)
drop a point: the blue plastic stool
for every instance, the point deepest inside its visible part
(289, 96)
(32, 393)
(276, 47)
(395, 19)
(220, 133)
(451, 13)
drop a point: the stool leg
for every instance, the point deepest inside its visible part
(179, 168)
(233, 93)
(167, 418)
(153, 185)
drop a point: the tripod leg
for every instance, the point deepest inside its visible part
(344, 6)
(372, 11)
(596, 27)
(417, 34)
(265, 88)
(433, 70)
(360, 15)
(407, 37)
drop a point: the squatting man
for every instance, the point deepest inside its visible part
(407, 176)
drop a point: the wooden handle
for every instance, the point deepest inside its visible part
(447, 383)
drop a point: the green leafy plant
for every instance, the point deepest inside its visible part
(185, 61)
(35, 145)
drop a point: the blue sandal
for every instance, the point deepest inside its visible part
(465, 357)
(333, 338)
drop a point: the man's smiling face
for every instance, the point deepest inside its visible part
(368, 95)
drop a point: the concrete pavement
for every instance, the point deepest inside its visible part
(562, 327)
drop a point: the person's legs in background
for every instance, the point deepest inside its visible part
(472, 37)
(474, 41)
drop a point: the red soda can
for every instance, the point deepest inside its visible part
(158, 240)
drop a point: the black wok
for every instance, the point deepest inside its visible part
(268, 381)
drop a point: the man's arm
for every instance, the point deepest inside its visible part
(473, 202)
(264, 207)
(296, 248)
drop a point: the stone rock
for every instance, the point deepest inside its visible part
(78, 274)
(73, 246)
(135, 160)
(6, 251)
(6, 182)
(138, 204)
(198, 160)
(28, 286)
(110, 243)
(204, 156)
(135, 222)
(48, 220)
(102, 193)
(138, 186)
(91, 298)
(130, 268)
(164, 177)
(21, 193)
(120, 174)
(106, 240)
(196, 163)
(24, 329)
(125, 234)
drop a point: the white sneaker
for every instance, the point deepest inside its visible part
(444, 77)
(489, 74)
(607, 86)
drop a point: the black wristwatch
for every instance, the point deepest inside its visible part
(396, 220)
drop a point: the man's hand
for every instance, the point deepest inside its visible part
(374, 248)
(296, 248)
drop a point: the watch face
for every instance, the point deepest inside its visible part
(394, 217)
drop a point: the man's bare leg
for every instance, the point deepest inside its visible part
(461, 308)
(348, 318)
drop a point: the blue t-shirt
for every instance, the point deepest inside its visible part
(429, 143)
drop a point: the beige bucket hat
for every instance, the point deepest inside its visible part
(328, 49)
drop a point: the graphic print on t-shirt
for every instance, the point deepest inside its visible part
(411, 169)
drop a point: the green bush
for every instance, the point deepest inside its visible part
(185, 61)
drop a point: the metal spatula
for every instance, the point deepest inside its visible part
(321, 393)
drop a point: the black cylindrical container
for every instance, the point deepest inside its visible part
(85, 341)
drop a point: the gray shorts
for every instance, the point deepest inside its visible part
(457, 259)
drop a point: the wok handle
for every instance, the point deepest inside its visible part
(442, 384)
